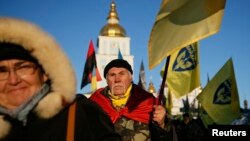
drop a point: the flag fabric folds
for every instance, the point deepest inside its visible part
(205, 118)
(90, 64)
(142, 80)
(220, 96)
(180, 23)
(184, 71)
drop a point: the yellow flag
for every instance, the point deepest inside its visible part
(206, 119)
(220, 96)
(93, 83)
(180, 23)
(169, 103)
(183, 74)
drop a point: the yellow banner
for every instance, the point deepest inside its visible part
(220, 96)
(180, 23)
(183, 74)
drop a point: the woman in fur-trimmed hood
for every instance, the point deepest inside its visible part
(38, 87)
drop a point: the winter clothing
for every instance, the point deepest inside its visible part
(189, 129)
(133, 122)
(118, 63)
(14, 51)
(47, 119)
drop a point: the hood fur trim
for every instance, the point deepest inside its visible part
(5, 127)
(52, 58)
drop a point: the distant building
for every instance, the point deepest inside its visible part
(151, 88)
(178, 103)
(111, 39)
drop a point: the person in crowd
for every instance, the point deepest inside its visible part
(133, 111)
(189, 129)
(38, 100)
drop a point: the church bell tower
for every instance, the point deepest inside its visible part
(112, 39)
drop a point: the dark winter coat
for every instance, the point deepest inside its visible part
(47, 120)
(91, 124)
(130, 123)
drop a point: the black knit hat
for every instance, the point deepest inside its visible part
(118, 63)
(14, 51)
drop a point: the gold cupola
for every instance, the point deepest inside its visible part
(151, 87)
(113, 28)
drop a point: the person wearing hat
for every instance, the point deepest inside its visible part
(38, 100)
(131, 108)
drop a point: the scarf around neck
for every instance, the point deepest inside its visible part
(118, 101)
(138, 107)
(21, 112)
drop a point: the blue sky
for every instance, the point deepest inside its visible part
(74, 23)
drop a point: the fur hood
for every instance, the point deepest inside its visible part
(53, 60)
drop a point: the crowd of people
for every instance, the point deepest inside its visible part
(189, 129)
(38, 101)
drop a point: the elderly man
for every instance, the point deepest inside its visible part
(37, 91)
(131, 109)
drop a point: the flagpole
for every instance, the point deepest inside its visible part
(159, 100)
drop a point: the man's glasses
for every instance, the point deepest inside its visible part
(22, 70)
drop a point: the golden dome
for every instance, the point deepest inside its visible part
(151, 87)
(113, 28)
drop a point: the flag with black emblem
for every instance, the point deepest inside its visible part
(220, 98)
(180, 23)
(184, 71)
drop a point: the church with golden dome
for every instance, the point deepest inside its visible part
(112, 39)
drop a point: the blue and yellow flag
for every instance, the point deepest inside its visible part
(180, 23)
(183, 74)
(220, 98)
